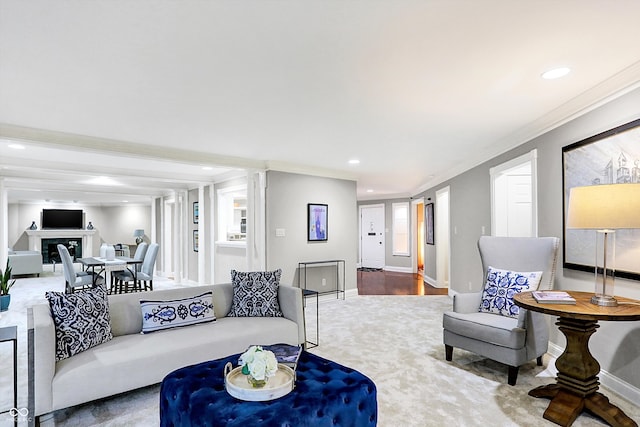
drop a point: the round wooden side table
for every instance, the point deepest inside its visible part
(577, 383)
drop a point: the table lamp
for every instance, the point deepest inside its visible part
(604, 208)
(138, 233)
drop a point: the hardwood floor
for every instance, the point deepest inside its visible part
(390, 283)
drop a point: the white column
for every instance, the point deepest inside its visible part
(211, 237)
(203, 247)
(4, 224)
(256, 220)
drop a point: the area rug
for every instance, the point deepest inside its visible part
(397, 342)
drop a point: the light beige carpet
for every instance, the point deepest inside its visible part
(395, 340)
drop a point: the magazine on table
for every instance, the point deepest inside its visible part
(286, 354)
(553, 297)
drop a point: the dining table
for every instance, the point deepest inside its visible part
(106, 266)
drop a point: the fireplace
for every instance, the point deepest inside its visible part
(50, 253)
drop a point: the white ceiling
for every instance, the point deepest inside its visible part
(148, 91)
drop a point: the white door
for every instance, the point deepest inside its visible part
(372, 248)
(513, 191)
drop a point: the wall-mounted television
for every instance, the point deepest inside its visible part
(62, 218)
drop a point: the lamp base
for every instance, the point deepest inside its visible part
(604, 300)
(139, 240)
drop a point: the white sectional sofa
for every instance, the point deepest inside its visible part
(132, 360)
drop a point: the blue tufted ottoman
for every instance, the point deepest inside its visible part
(326, 394)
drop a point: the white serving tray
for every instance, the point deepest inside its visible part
(278, 385)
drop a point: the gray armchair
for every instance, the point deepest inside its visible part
(512, 341)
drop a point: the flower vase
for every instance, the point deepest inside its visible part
(256, 383)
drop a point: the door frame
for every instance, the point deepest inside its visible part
(443, 232)
(503, 169)
(384, 234)
(414, 234)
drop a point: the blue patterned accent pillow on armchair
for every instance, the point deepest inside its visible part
(81, 320)
(502, 285)
(255, 294)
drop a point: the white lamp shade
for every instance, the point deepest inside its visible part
(611, 206)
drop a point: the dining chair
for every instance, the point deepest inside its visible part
(74, 280)
(118, 278)
(144, 272)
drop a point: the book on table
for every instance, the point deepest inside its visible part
(553, 297)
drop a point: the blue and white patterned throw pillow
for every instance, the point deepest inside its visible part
(502, 285)
(81, 320)
(255, 294)
(158, 315)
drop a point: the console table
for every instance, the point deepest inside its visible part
(340, 284)
(577, 384)
(313, 293)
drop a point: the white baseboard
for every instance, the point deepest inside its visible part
(398, 269)
(429, 280)
(613, 383)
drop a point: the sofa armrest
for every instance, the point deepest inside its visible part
(43, 364)
(291, 304)
(467, 303)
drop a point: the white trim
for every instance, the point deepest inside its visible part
(414, 233)
(398, 269)
(610, 381)
(429, 280)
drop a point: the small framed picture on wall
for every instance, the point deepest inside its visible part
(196, 212)
(195, 240)
(317, 216)
(429, 224)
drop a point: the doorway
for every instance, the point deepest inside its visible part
(418, 232)
(442, 239)
(513, 197)
(372, 241)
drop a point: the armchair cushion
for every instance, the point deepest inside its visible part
(486, 327)
(501, 286)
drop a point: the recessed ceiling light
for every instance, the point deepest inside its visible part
(555, 73)
(16, 146)
(125, 201)
(369, 191)
(207, 168)
(354, 162)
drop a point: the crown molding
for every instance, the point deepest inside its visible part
(608, 90)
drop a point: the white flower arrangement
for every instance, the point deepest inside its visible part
(260, 364)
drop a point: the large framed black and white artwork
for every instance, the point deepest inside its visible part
(317, 217)
(611, 157)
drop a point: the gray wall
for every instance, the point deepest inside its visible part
(616, 345)
(287, 197)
